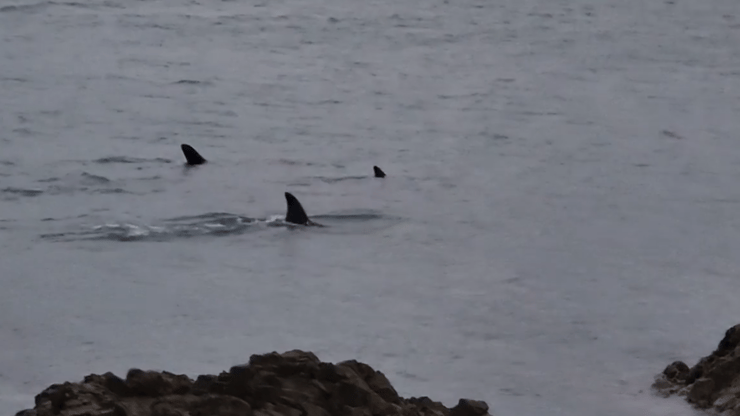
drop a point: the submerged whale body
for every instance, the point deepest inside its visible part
(296, 214)
(378, 172)
(191, 155)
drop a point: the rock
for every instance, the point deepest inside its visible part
(427, 406)
(294, 383)
(467, 407)
(154, 384)
(714, 382)
(676, 371)
(730, 341)
(375, 380)
(701, 392)
(311, 410)
(350, 394)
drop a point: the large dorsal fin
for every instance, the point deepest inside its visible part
(378, 172)
(192, 157)
(295, 214)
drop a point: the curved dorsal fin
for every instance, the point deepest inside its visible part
(378, 172)
(192, 157)
(295, 214)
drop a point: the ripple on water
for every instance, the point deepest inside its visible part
(126, 159)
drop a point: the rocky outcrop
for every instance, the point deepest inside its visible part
(714, 382)
(294, 383)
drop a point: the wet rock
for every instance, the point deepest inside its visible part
(714, 382)
(294, 383)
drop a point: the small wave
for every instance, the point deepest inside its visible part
(90, 178)
(38, 6)
(210, 216)
(13, 79)
(354, 215)
(22, 131)
(189, 82)
(118, 159)
(294, 162)
(341, 178)
(113, 191)
(125, 159)
(23, 7)
(217, 223)
(23, 191)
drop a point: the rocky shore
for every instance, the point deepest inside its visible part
(294, 383)
(713, 383)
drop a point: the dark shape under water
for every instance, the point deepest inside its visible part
(191, 155)
(296, 214)
(378, 172)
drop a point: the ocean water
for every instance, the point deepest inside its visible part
(559, 221)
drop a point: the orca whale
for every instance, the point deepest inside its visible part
(378, 173)
(296, 214)
(191, 156)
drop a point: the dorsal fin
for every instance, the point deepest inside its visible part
(295, 214)
(192, 157)
(378, 173)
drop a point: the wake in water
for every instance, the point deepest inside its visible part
(220, 224)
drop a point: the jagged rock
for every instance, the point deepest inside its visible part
(375, 380)
(714, 382)
(294, 383)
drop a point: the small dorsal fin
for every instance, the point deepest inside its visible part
(192, 156)
(378, 172)
(295, 214)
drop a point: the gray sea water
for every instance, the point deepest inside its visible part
(559, 222)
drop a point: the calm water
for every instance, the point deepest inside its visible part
(559, 222)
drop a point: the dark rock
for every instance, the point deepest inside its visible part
(277, 410)
(714, 382)
(206, 405)
(294, 383)
(676, 371)
(221, 406)
(376, 380)
(467, 407)
(427, 407)
(204, 383)
(153, 384)
(730, 341)
(354, 411)
(309, 409)
(112, 382)
(701, 392)
(349, 394)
